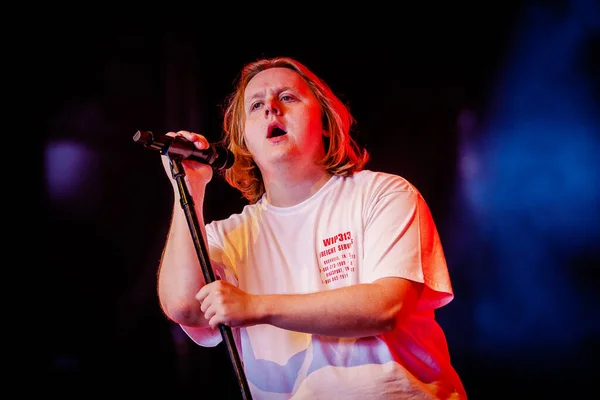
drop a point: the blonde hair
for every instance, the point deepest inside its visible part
(343, 155)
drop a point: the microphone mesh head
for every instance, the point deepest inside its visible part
(143, 137)
(224, 158)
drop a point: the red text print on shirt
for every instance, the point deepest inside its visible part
(337, 259)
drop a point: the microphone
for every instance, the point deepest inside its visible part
(217, 156)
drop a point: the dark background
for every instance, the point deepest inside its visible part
(492, 112)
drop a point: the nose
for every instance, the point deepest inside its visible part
(272, 108)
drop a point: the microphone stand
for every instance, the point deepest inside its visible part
(187, 203)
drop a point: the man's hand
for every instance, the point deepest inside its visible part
(224, 304)
(196, 172)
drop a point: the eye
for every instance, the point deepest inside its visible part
(287, 97)
(255, 106)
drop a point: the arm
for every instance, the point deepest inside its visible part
(180, 275)
(353, 311)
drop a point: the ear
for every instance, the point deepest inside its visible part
(326, 133)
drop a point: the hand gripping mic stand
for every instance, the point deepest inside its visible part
(187, 203)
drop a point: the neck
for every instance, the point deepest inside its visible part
(294, 184)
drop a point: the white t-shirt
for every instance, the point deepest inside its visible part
(353, 230)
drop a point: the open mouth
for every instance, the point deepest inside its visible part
(275, 131)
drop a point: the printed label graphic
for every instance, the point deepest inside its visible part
(337, 258)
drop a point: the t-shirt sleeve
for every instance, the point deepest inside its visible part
(401, 240)
(206, 336)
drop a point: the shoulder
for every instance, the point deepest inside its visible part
(235, 220)
(382, 182)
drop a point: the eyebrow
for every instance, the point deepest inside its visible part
(261, 93)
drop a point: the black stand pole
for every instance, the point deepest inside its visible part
(187, 203)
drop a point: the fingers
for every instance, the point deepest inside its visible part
(210, 297)
(211, 316)
(209, 308)
(206, 304)
(199, 141)
(203, 293)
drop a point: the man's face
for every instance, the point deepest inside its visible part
(283, 120)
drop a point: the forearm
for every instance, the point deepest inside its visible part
(354, 311)
(180, 276)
